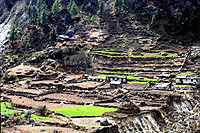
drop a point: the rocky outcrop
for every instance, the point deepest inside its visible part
(9, 11)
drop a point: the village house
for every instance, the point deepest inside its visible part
(164, 86)
(116, 81)
(187, 80)
(166, 76)
(121, 79)
(96, 79)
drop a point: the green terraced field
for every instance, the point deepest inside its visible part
(111, 52)
(7, 111)
(126, 54)
(138, 83)
(182, 86)
(83, 110)
(186, 74)
(101, 75)
(141, 79)
(37, 118)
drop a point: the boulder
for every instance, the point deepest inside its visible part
(104, 122)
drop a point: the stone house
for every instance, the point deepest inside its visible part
(121, 79)
(187, 80)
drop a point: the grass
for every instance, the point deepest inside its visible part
(37, 118)
(112, 72)
(102, 54)
(126, 54)
(101, 75)
(83, 110)
(186, 74)
(141, 79)
(168, 54)
(182, 86)
(111, 52)
(135, 82)
(7, 111)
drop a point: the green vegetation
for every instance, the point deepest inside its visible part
(112, 72)
(101, 75)
(72, 7)
(83, 110)
(55, 9)
(186, 74)
(141, 79)
(182, 86)
(101, 7)
(110, 52)
(14, 30)
(135, 82)
(53, 35)
(6, 111)
(37, 118)
(167, 54)
(120, 6)
(115, 54)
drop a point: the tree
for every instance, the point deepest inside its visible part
(55, 9)
(72, 8)
(101, 7)
(13, 30)
(63, 2)
(120, 6)
(34, 15)
(53, 35)
(43, 18)
(88, 6)
(67, 18)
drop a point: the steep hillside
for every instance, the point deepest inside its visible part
(100, 66)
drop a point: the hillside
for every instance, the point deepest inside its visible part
(100, 66)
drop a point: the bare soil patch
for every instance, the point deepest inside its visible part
(68, 97)
(46, 129)
(32, 103)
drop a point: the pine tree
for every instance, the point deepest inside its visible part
(63, 2)
(120, 6)
(55, 8)
(43, 18)
(53, 35)
(72, 8)
(69, 5)
(67, 18)
(29, 12)
(101, 7)
(88, 6)
(34, 15)
(13, 30)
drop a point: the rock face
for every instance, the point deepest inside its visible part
(9, 11)
(128, 108)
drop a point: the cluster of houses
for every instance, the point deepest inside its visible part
(181, 79)
(116, 81)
